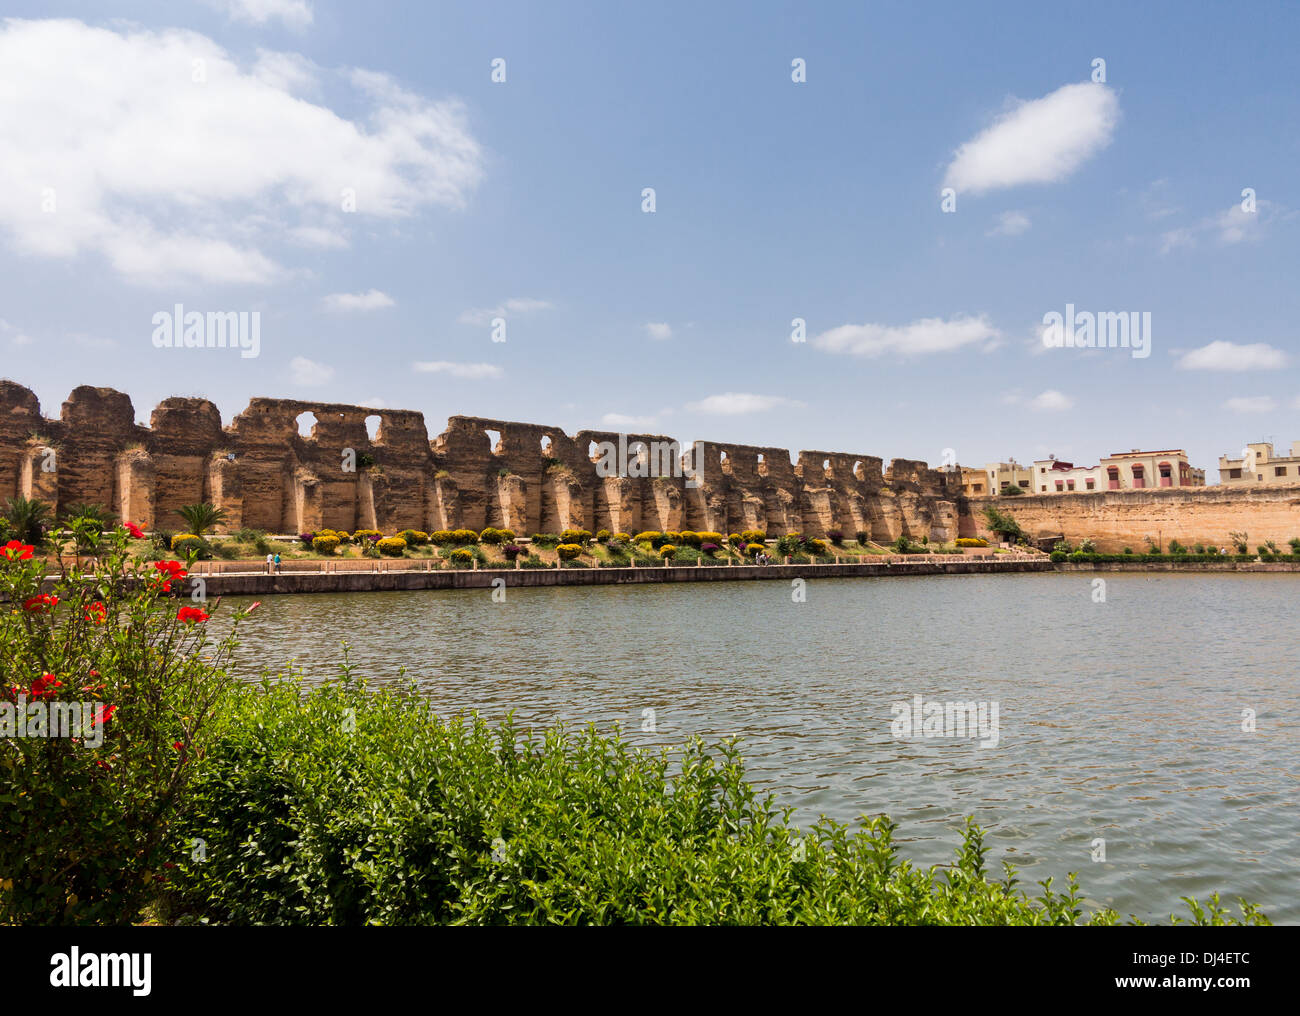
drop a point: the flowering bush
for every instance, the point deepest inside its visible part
(179, 537)
(709, 548)
(414, 537)
(818, 547)
(863, 537)
(668, 552)
(440, 537)
(107, 696)
(569, 551)
(709, 537)
(836, 536)
(460, 537)
(972, 541)
(461, 557)
(603, 535)
(364, 536)
(650, 536)
(306, 539)
(625, 538)
(790, 543)
(735, 540)
(689, 538)
(496, 536)
(391, 546)
(325, 544)
(754, 548)
(581, 536)
(545, 539)
(512, 551)
(753, 535)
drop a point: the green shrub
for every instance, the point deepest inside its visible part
(440, 537)
(345, 806)
(603, 536)
(579, 536)
(863, 538)
(545, 539)
(496, 536)
(190, 546)
(668, 552)
(414, 537)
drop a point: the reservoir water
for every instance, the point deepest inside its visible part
(1118, 720)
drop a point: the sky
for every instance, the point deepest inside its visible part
(650, 198)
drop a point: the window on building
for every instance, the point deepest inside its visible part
(1069, 485)
(1139, 478)
(1279, 470)
(1058, 484)
(1044, 487)
(1166, 475)
(1112, 474)
(1234, 474)
(1091, 484)
(1024, 484)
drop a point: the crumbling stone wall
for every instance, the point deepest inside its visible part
(479, 472)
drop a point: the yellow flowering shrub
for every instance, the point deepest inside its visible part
(668, 552)
(568, 551)
(182, 536)
(324, 544)
(414, 537)
(392, 546)
(463, 536)
(754, 548)
(972, 541)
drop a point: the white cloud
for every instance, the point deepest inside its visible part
(620, 420)
(515, 305)
(1251, 404)
(370, 300)
(170, 179)
(1010, 224)
(659, 331)
(1040, 141)
(929, 335)
(738, 403)
(1231, 226)
(1233, 356)
(317, 236)
(1051, 401)
(308, 372)
(471, 371)
(294, 13)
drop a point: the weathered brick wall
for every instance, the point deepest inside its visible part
(1119, 519)
(477, 473)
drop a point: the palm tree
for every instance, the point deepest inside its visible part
(95, 512)
(28, 518)
(202, 517)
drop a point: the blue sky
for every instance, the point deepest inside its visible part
(774, 200)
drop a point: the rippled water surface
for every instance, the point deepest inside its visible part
(1118, 720)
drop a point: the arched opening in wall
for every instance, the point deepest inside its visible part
(724, 462)
(548, 452)
(826, 466)
(306, 423)
(859, 470)
(762, 465)
(494, 440)
(373, 423)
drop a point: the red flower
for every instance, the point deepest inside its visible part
(103, 714)
(134, 530)
(169, 572)
(97, 612)
(45, 685)
(41, 604)
(16, 550)
(178, 746)
(191, 614)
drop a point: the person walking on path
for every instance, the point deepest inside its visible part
(270, 563)
(277, 564)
